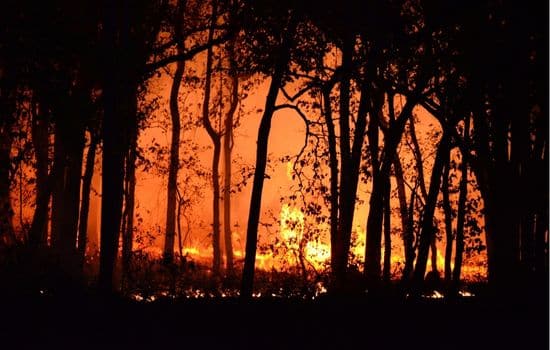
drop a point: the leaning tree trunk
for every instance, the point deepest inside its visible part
(427, 226)
(373, 247)
(261, 162)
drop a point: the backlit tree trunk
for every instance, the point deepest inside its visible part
(448, 224)
(86, 187)
(427, 226)
(461, 215)
(173, 167)
(227, 148)
(215, 137)
(38, 233)
(281, 64)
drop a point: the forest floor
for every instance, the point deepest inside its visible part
(87, 321)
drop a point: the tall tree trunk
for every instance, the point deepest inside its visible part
(333, 164)
(69, 148)
(427, 227)
(215, 137)
(38, 233)
(448, 212)
(129, 203)
(461, 215)
(261, 162)
(408, 235)
(374, 220)
(168, 254)
(386, 272)
(86, 186)
(227, 148)
(7, 232)
(170, 229)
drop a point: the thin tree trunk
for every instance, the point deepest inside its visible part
(85, 205)
(448, 224)
(170, 228)
(38, 233)
(374, 220)
(386, 273)
(333, 164)
(408, 235)
(261, 162)
(215, 137)
(427, 227)
(461, 215)
(129, 204)
(227, 148)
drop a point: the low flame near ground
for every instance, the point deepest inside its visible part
(292, 245)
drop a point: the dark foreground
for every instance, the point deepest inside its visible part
(87, 322)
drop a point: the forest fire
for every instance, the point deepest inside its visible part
(223, 149)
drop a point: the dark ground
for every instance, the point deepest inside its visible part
(92, 322)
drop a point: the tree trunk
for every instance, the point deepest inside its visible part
(7, 232)
(333, 164)
(173, 167)
(168, 254)
(408, 235)
(261, 162)
(386, 272)
(227, 148)
(129, 203)
(69, 148)
(448, 212)
(374, 220)
(38, 233)
(427, 227)
(86, 186)
(461, 215)
(215, 137)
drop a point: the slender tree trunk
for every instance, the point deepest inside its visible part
(448, 224)
(227, 148)
(374, 220)
(408, 235)
(86, 186)
(333, 164)
(168, 255)
(427, 227)
(170, 229)
(261, 162)
(215, 137)
(129, 204)
(38, 233)
(386, 272)
(461, 215)
(7, 232)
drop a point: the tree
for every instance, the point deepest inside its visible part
(280, 54)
